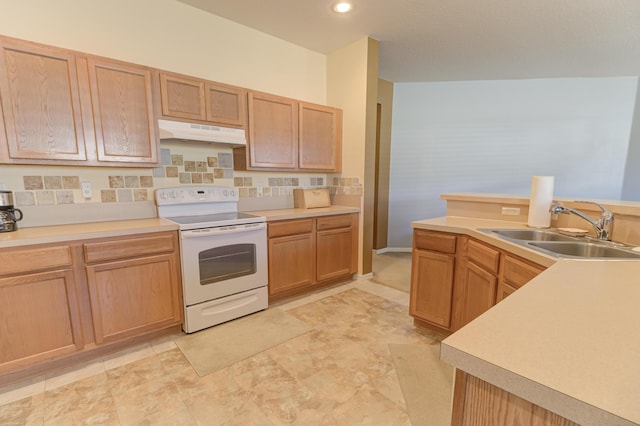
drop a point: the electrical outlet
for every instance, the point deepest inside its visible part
(259, 190)
(87, 192)
(511, 211)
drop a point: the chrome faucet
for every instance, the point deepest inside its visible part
(602, 225)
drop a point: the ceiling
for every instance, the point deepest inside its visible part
(445, 40)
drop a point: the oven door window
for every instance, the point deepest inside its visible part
(227, 262)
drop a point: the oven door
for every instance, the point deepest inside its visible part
(222, 261)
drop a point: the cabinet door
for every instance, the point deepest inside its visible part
(226, 105)
(291, 262)
(333, 253)
(41, 104)
(320, 140)
(39, 318)
(273, 131)
(182, 97)
(504, 290)
(132, 297)
(123, 112)
(476, 293)
(431, 286)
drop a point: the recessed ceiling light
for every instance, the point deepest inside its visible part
(342, 7)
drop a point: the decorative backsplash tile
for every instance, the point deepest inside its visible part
(132, 182)
(71, 182)
(116, 181)
(108, 196)
(53, 182)
(45, 197)
(178, 167)
(140, 195)
(64, 197)
(146, 181)
(33, 182)
(124, 195)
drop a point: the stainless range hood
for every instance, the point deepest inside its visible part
(201, 133)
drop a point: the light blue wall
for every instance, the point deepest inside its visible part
(493, 136)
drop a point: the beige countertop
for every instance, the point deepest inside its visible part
(568, 341)
(283, 214)
(616, 206)
(81, 231)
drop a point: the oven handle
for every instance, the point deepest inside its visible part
(226, 230)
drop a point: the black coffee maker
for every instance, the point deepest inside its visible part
(9, 216)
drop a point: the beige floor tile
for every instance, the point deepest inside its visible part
(369, 407)
(74, 374)
(127, 356)
(82, 399)
(339, 373)
(21, 390)
(165, 344)
(27, 411)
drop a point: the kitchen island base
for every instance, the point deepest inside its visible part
(476, 402)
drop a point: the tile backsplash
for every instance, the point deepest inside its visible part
(180, 165)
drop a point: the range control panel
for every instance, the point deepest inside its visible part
(195, 195)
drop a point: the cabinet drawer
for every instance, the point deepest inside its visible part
(517, 272)
(436, 241)
(290, 227)
(333, 222)
(116, 249)
(33, 259)
(484, 256)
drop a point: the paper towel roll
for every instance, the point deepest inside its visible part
(539, 202)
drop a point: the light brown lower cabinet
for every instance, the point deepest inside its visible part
(291, 255)
(431, 300)
(514, 273)
(131, 297)
(456, 278)
(59, 301)
(476, 402)
(476, 284)
(40, 319)
(308, 253)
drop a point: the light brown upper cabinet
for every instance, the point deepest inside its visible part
(188, 98)
(67, 108)
(41, 104)
(125, 126)
(273, 131)
(290, 135)
(320, 137)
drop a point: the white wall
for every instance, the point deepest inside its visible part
(164, 34)
(493, 136)
(171, 35)
(352, 75)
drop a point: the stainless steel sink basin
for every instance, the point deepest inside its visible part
(532, 235)
(584, 250)
(555, 244)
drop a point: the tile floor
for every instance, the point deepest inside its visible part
(340, 373)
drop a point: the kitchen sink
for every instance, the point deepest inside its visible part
(532, 235)
(584, 249)
(555, 244)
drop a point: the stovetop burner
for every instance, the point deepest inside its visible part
(202, 206)
(211, 218)
(215, 219)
